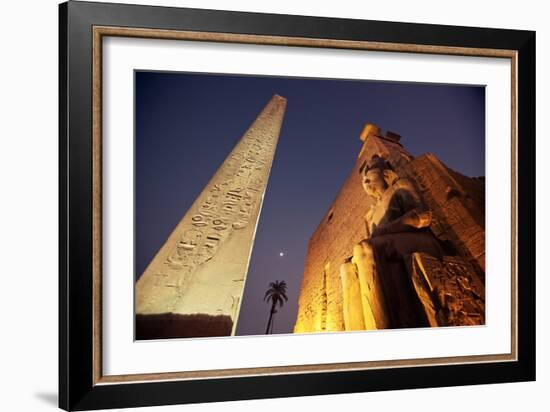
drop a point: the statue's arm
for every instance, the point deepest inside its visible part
(416, 217)
(412, 220)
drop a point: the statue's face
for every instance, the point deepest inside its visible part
(374, 183)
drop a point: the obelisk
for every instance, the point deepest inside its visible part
(193, 287)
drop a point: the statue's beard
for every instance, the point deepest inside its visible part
(373, 193)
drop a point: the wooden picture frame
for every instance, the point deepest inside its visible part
(82, 27)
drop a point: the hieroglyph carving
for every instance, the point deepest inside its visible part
(449, 290)
(229, 204)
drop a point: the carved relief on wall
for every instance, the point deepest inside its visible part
(449, 290)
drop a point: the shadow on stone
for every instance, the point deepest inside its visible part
(171, 325)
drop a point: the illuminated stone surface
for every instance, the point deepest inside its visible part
(194, 284)
(425, 266)
(459, 294)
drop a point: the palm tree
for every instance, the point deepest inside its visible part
(277, 294)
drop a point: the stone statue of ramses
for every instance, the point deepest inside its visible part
(377, 286)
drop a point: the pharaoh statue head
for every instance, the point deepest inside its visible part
(376, 176)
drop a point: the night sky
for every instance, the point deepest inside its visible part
(186, 124)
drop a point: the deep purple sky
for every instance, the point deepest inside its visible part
(186, 124)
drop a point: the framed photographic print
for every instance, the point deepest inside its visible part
(259, 205)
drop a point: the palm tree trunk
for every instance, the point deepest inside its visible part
(271, 312)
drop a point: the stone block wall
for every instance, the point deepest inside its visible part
(456, 201)
(321, 297)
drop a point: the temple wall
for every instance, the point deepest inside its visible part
(457, 204)
(328, 247)
(332, 243)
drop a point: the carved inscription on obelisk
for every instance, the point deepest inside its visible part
(194, 285)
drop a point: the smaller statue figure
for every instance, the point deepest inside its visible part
(397, 225)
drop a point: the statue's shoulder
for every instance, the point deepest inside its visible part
(403, 183)
(404, 190)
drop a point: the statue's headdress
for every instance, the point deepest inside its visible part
(375, 162)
